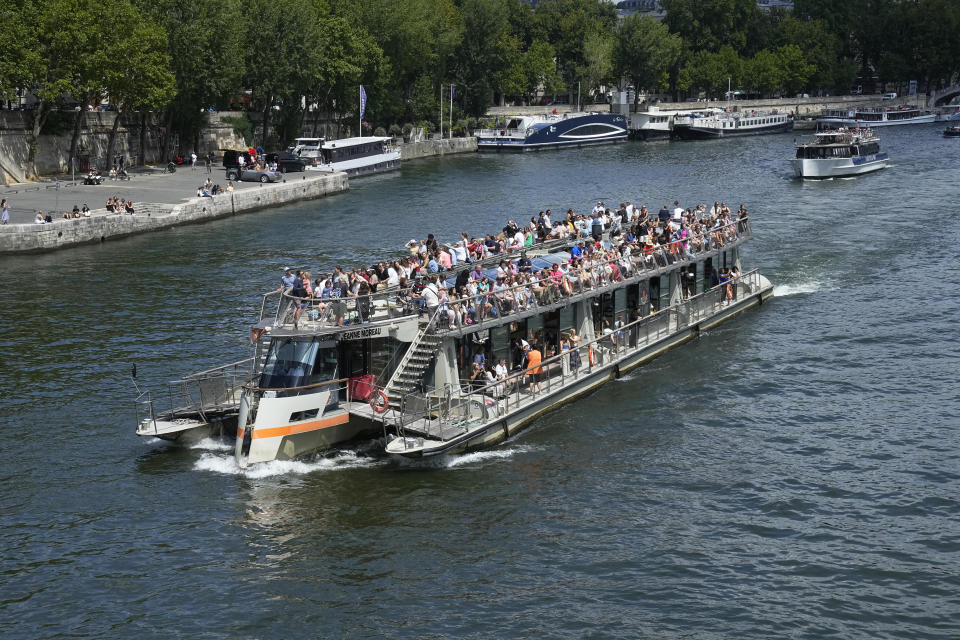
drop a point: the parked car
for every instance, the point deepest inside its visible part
(287, 162)
(231, 159)
(254, 175)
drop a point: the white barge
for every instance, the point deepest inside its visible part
(329, 370)
(873, 117)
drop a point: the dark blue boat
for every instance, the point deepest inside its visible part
(555, 131)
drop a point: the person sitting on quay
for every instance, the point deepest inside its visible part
(39, 219)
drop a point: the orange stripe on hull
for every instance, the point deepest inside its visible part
(303, 427)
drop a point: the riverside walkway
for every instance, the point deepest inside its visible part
(161, 200)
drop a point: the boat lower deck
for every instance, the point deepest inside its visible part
(455, 420)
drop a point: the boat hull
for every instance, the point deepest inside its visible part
(853, 123)
(691, 132)
(578, 131)
(820, 168)
(512, 423)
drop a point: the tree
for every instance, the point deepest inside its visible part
(138, 75)
(764, 73)
(566, 26)
(483, 51)
(598, 59)
(645, 51)
(795, 71)
(206, 43)
(711, 25)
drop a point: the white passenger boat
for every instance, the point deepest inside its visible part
(308, 149)
(873, 117)
(357, 156)
(331, 370)
(651, 124)
(719, 123)
(839, 152)
(553, 131)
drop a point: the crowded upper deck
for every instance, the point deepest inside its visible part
(520, 269)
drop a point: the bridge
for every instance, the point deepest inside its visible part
(943, 96)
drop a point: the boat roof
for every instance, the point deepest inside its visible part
(346, 142)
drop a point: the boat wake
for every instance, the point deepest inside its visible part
(782, 290)
(341, 461)
(470, 460)
(213, 444)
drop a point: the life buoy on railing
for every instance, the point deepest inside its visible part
(643, 293)
(591, 356)
(379, 402)
(729, 291)
(255, 335)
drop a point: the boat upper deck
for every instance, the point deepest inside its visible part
(500, 288)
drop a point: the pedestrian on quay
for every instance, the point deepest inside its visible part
(4, 212)
(193, 160)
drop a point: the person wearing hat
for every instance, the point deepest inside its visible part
(287, 280)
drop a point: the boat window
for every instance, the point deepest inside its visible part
(591, 130)
(289, 364)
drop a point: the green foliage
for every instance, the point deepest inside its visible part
(395, 130)
(645, 52)
(241, 125)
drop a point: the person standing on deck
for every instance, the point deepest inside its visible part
(534, 369)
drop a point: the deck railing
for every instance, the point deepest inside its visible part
(513, 300)
(451, 411)
(198, 393)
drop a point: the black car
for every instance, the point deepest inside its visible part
(287, 162)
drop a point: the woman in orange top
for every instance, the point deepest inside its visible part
(534, 369)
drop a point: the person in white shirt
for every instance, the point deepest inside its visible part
(39, 219)
(431, 295)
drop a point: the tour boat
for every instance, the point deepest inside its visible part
(325, 372)
(873, 117)
(651, 124)
(839, 152)
(952, 132)
(357, 156)
(553, 131)
(720, 123)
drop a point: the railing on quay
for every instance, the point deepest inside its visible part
(452, 410)
(520, 298)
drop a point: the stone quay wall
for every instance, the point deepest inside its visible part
(428, 148)
(102, 225)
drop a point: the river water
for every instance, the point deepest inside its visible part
(793, 473)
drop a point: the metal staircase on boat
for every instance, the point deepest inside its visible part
(410, 372)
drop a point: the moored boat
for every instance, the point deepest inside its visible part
(553, 131)
(357, 156)
(719, 123)
(838, 153)
(651, 124)
(873, 117)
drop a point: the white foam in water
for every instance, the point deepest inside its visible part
(794, 289)
(480, 457)
(228, 465)
(212, 444)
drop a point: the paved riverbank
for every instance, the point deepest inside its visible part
(160, 204)
(162, 200)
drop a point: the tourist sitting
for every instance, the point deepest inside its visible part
(39, 219)
(109, 205)
(128, 207)
(76, 211)
(85, 210)
(229, 186)
(66, 215)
